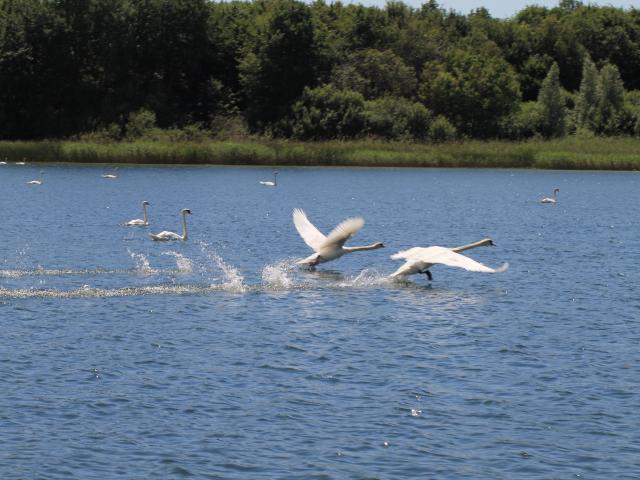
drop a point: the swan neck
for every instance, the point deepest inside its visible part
(373, 246)
(469, 246)
(144, 210)
(184, 226)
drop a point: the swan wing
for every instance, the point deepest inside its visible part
(309, 233)
(446, 256)
(343, 232)
(408, 254)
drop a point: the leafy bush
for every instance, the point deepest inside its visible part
(328, 113)
(441, 130)
(397, 119)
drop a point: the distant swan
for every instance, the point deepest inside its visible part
(40, 181)
(420, 259)
(330, 247)
(111, 175)
(166, 235)
(269, 183)
(138, 222)
(553, 199)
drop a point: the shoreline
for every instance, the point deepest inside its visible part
(569, 153)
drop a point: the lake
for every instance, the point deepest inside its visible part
(218, 358)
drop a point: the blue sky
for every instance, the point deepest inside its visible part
(498, 8)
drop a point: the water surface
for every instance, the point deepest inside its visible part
(215, 358)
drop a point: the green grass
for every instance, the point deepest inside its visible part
(567, 153)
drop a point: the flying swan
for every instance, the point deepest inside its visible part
(166, 235)
(269, 183)
(553, 199)
(421, 259)
(140, 222)
(330, 247)
(40, 181)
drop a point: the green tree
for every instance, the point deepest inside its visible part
(328, 113)
(474, 90)
(551, 105)
(610, 100)
(587, 101)
(280, 65)
(397, 118)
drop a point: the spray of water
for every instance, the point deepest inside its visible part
(183, 264)
(232, 279)
(277, 276)
(142, 263)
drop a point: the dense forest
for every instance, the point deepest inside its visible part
(123, 69)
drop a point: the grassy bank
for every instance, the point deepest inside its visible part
(566, 153)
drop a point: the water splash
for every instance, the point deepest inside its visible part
(369, 277)
(183, 264)
(142, 263)
(277, 276)
(87, 291)
(232, 279)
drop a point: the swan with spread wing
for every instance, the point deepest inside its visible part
(421, 259)
(329, 247)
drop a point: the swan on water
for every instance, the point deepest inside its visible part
(140, 222)
(40, 181)
(166, 235)
(553, 199)
(111, 175)
(269, 183)
(421, 259)
(330, 247)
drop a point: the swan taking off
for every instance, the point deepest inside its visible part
(166, 235)
(271, 184)
(420, 259)
(330, 247)
(553, 199)
(140, 222)
(40, 181)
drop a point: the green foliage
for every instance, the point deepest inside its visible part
(327, 112)
(441, 130)
(397, 119)
(474, 90)
(375, 74)
(587, 102)
(552, 105)
(610, 94)
(524, 123)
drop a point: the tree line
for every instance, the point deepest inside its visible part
(119, 69)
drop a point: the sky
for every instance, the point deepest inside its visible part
(498, 8)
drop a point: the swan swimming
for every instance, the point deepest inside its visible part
(330, 247)
(111, 175)
(553, 199)
(140, 222)
(166, 235)
(269, 183)
(40, 181)
(421, 259)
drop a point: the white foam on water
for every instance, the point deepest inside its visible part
(90, 292)
(369, 277)
(232, 279)
(183, 264)
(142, 263)
(277, 276)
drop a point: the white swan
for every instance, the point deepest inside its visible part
(40, 181)
(420, 259)
(553, 199)
(166, 235)
(140, 222)
(111, 175)
(269, 183)
(330, 247)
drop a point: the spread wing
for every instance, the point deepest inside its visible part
(343, 232)
(408, 254)
(309, 233)
(446, 256)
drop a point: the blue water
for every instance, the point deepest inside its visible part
(216, 358)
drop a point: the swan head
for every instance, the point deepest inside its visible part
(146, 203)
(185, 211)
(556, 190)
(378, 245)
(487, 242)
